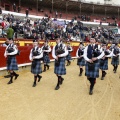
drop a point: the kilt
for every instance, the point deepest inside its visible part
(60, 70)
(105, 65)
(13, 64)
(37, 69)
(115, 61)
(94, 73)
(81, 63)
(68, 57)
(46, 59)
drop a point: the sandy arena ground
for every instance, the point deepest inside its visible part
(20, 101)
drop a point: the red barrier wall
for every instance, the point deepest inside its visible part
(24, 55)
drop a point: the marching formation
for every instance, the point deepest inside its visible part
(93, 56)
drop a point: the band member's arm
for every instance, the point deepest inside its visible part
(101, 55)
(30, 56)
(110, 55)
(65, 53)
(77, 53)
(5, 54)
(85, 54)
(53, 53)
(39, 56)
(49, 50)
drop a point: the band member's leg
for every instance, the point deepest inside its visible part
(61, 81)
(113, 67)
(81, 70)
(16, 75)
(47, 66)
(39, 77)
(35, 79)
(44, 68)
(11, 77)
(103, 74)
(116, 66)
(92, 83)
(58, 83)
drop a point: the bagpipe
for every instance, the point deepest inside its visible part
(102, 61)
(80, 52)
(58, 51)
(11, 49)
(116, 52)
(35, 53)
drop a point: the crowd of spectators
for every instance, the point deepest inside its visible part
(47, 28)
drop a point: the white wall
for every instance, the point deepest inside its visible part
(113, 2)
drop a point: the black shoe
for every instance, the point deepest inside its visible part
(61, 81)
(91, 92)
(48, 67)
(34, 84)
(39, 78)
(115, 71)
(43, 70)
(105, 74)
(57, 87)
(80, 74)
(102, 78)
(7, 76)
(10, 82)
(16, 77)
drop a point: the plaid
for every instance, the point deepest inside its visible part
(94, 73)
(60, 70)
(13, 64)
(37, 69)
(81, 63)
(115, 61)
(105, 65)
(68, 57)
(46, 59)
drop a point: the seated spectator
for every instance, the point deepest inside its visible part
(19, 9)
(0, 11)
(14, 7)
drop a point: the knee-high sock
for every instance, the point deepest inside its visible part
(59, 80)
(81, 70)
(35, 79)
(92, 83)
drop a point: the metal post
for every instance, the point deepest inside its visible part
(0, 2)
(66, 9)
(19, 2)
(118, 13)
(80, 9)
(93, 9)
(52, 7)
(105, 11)
(37, 7)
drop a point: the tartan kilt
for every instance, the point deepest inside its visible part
(81, 63)
(68, 57)
(13, 64)
(60, 70)
(94, 73)
(37, 69)
(105, 65)
(115, 62)
(46, 59)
